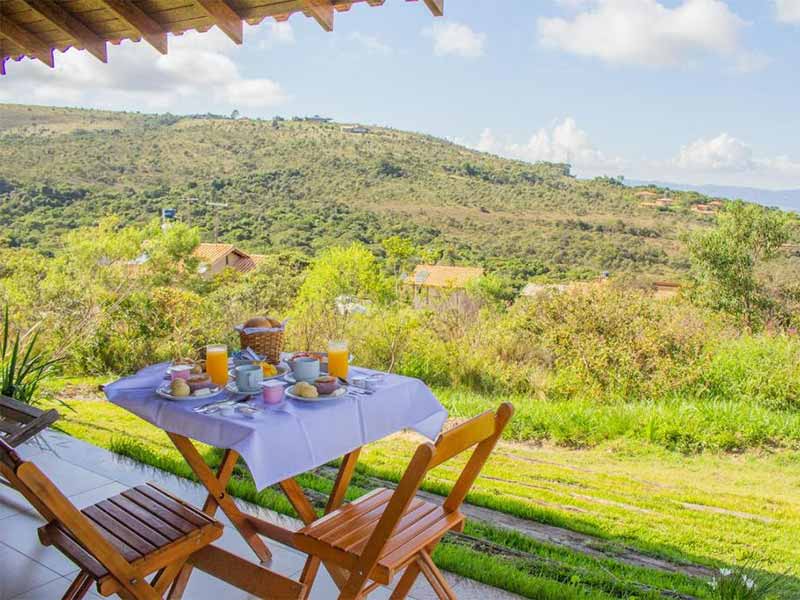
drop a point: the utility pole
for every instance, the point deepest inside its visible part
(216, 217)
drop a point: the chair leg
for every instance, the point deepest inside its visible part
(354, 588)
(80, 587)
(403, 588)
(435, 577)
(309, 574)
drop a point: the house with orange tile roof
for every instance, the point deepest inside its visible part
(215, 258)
(433, 281)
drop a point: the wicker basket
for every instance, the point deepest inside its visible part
(266, 343)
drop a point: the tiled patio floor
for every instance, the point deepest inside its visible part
(30, 571)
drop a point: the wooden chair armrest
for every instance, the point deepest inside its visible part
(30, 429)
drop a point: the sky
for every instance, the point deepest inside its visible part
(688, 91)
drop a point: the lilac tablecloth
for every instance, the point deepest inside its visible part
(293, 437)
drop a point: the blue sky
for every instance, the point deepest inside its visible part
(695, 91)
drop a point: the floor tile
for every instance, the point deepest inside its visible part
(67, 477)
(325, 589)
(20, 533)
(205, 587)
(27, 574)
(11, 502)
(53, 591)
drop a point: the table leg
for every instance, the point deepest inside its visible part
(217, 498)
(303, 507)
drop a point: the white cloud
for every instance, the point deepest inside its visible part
(457, 39)
(788, 10)
(721, 153)
(648, 33)
(372, 43)
(197, 75)
(563, 142)
(274, 33)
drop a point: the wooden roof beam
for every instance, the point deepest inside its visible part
(436, 7)
(225, 17)
(140, 21)
(69, 24)
(30, 43)
(322, 11)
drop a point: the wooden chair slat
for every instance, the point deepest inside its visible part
(132, 546)
(359, 537)
(437, 527)
(155, 508)
(17, 411)
(148, 518)
(33, 427)
(410, 529)
(348, 512)
(144, 531)
(52, 535)
(193, 517)
(10, 427)
(355, 529)
(463, 437)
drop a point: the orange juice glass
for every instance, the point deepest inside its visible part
(338, 357)
(217, 363)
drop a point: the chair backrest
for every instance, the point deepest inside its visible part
(55, 507)
(19, 422)
(482, 432)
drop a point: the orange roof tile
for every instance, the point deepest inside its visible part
(443, 276)
(211, 253)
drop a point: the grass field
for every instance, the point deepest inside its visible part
(708, 509)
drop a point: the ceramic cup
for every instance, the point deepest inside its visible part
(180, 371)
(272, 391)
(248, 377)
(306, 369)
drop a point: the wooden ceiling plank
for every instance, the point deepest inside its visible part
(436, 7)
(322, 11)
(225, 18)
(137, 19)
(70, 25)
(23, 38)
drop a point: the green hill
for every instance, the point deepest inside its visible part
(304, 185)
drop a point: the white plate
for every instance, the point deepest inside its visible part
(337, 394)
(234, 389)
(290, 378)
(163, 391)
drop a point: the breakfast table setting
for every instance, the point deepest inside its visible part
(283, 413)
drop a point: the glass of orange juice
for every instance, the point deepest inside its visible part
(217, 363)
(338, 357)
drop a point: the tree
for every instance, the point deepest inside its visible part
(398, 252)
(727, 261)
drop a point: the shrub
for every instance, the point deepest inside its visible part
(762, 369)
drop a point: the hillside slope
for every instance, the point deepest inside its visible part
(305, 185)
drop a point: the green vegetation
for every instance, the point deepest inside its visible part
(307, 186)
(659, 427)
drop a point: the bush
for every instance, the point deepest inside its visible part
(763, 369)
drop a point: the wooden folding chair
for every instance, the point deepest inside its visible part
(385, 532)
(118, 542)
(19, 422)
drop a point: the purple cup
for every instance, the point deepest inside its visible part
(180, 371)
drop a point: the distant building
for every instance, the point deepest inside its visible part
(356, 129)
(666, 289)
(646, 194)
(214, 258)
(433, 281)
(705, 209)
(318, 119)
(659, 202)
